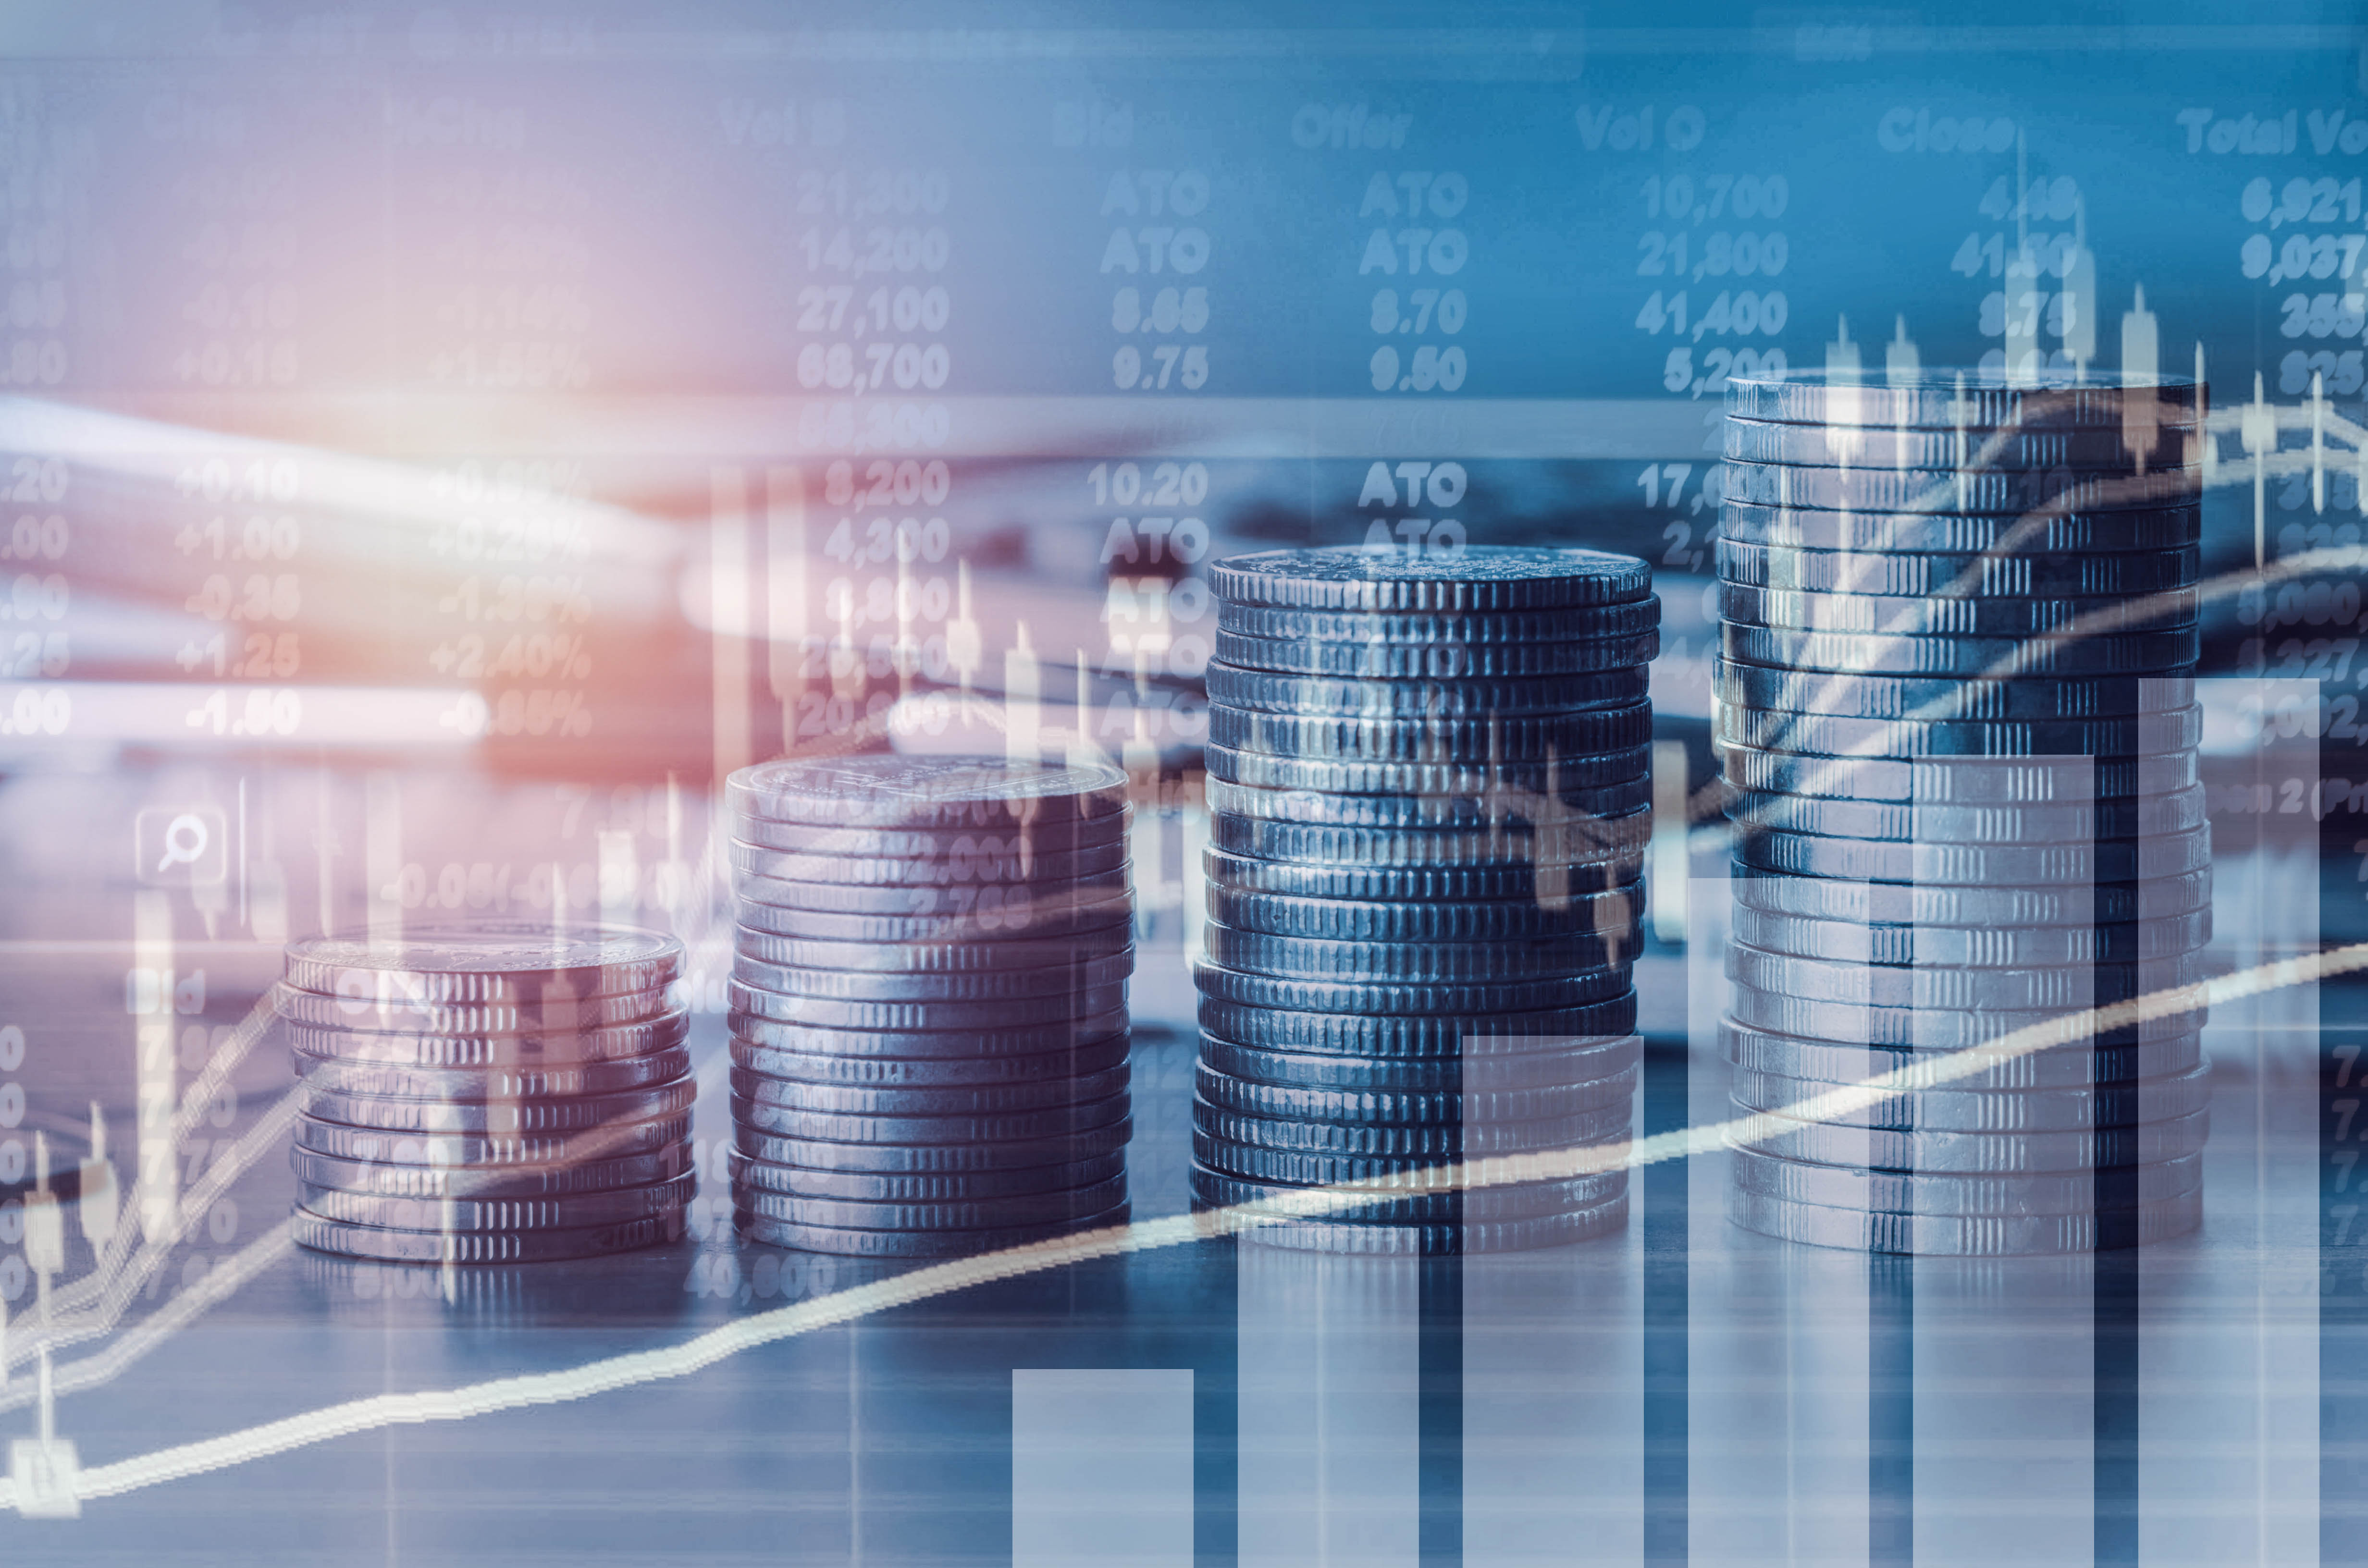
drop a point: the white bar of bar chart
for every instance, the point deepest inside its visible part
(1101, 1468)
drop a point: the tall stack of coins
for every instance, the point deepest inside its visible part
(1429, 795)
(496, 1094)
(928, 1003)
(1957, 721)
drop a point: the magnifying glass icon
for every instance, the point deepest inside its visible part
(185, 841)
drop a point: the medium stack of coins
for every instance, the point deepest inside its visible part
(928, 1003)
(498, 1095)
(1956, 717)
(1429, 796)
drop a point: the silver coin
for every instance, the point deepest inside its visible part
(1614, 915)
(1069, 836)
(1267, 692)
(1974, 576)
(1377, 660)
(913, 793)
(1392, 997)
(501, 1118)
(919, 1187)
(1481, 1206)
(1931, 1029)
(905, 1072)
(2005, 1196)
(390, 1246)
(1989, 782)
(1383, 578)
(2063, 1067)
(1990, 1110)
(1975, 1154)
(451, 1150)
(340, 1076)
(524, 1053)
(1943, 399)
(907, 1101)
(1892, 904)
(490, 1184)
(2039, 533)
(987, 1214)
(1985, 989)
(1957, 1235)
(550, 1016)
(850, 1243)
(983, 903)
(2029, 865)
(1850, 652)
(1503, 807)
(1507, 958)
(1904, 615)
(1473, 1109)
(1010, 1127)
(899, 1017)
(933, 958)
(1022, 921)
(1492, 1072)
(1550, 884)
(1411, 1174)
(570, 1212)
(2143, 815)
(1563, 840)
(1564, 779)
(1947, 698)
(497, 962)
(1489, 629)
(782, 864)
(883, 986)
(1445, 1240)
(1971, 946)
(958, 1042)
(1831, 736)
(1521, 739)
(2007, 448)
(1946, 490)
(1406, 1141)
(943, 1159)
(1448, 1035)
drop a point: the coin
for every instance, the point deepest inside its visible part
(1932, 1029)
(890, 1072)
(1068, 1090)
(1946, 490)
(950, 900)
(1522, 1200)
(783, 865)
(1571, 839)
(1267, 692)
(1579, 1063)
(1402, 811)
(1507, 958)
(1983, 989)
(1990, 1110)
(1849, 941)
(1899, 1192)
(1069, 836)
(1952, 1235)
(1447, 1035)
(1892, 1149)
(850, 1243)
(950, 1043)
(1440, 1140)
(1378, 659)
(1985, 577)
(1487, 629)
(1610, 915)
(1525, 739)
(1020, 920)
(550, 1016)
(927, 1132)
(915, 1159)
(1870, 860)
(2110, 904)
(572, 1211)
(613, 1140)
(2069, 1066)
(1485, 578)
(1446, 1241)
(1549, 884)
(1943, 399)
(1948, 699)
(834, 1013)
(379, 1178)
(492, 964)
(335, 1076)
(933, 958)
(1396, 998)
(2000, 448)
(1904, 615)
(1056, 1207)
(1932, 781)
(915, 793)
(888, 985)
(1470, 1108)
(1564, 779)
(501, 1118)
(2038, 533)
(2143, 815)
(920, 1186)
(522, 1052)
(1827, 734)
(390, 1246)
(1409, 1174)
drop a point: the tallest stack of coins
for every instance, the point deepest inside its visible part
(1429, 798)
(1956, 717)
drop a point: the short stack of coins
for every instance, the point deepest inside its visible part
(929, 1040)
(496, 1094)
(1957, 724)
(1429, 796)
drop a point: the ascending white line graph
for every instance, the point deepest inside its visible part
(618, 1372)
